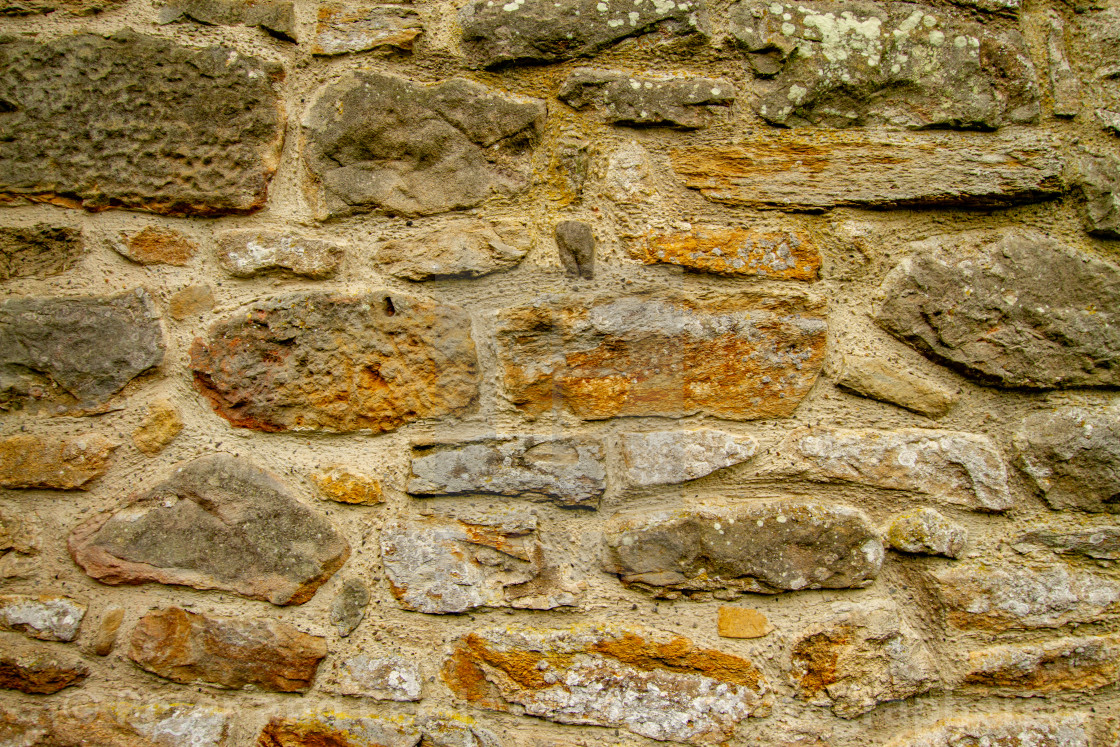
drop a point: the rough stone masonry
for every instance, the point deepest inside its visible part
(559, 373)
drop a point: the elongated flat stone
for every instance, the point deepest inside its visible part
(1072, 455)
(807, 170)
(40, 250)
(348, 27)
(641, 100)
(218, 522)
(734, 252)
(317, 361)
(462, 249)
(47, 617)
(1003, 730)
(130, 724)
(278, 17)
(741, 358)
(248, 253)
(392, 677)
(28, 461)
(1067, 664)
(329, 728)
(668, 457)
(877, 380)
(154, 245)
(1102, 543)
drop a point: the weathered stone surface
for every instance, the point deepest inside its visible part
(154, 245)
(629, 177)
(160, 426)
(462, 249)
(28, 461)
(46, 617)
(575, 241)
(762, 548)
(1102, 543)
(335, 729)
(1072, 455)
(439, 566)
(979, 596)
(741, 358)
(342, 485)
(392, 677)
(926, 532)
(124, 724)
(1011, 309)
(872, 378)
(548, 31)
(1098, 183)
(344, 27)
(809, 170)
(668, 457)
(192, 300)
(1077, 664)
(568, 471)
(654, 684)
(218, 522)
(247, 253)
(349, 606)
(859, 659)
(896, 64)
(18, 534)
(1096, 35)
(278, 17)
(377, 141)
(316, 361)
(75, 350)
(106, 636)
(1065, 85)
(68, 7)
(1002, 730)
(740, 622)
(734, 252)
(454, 731)
(153, 141)
(35, 668)
(188, 648)
(641, 100)
(39, 251)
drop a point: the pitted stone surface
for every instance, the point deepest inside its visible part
(67, 7)
(1098, 182)
(1013, 309)
(46, 617)
(1003, 730)
(877, 380)
(317, 361)
(278, 17)
(734, 252)
(668, 457)
(1065, 85)
(75, 350)
(639, 100)
(926, 532)
(35, 668)
(41, 250)
(762, 548)
(1067, 664)
(753, 356)
(347, 27)
(28, 461)
(391, 677)
(247, 253)
(141, 133)
(1101, 543)
(374, 141)
(218, 522)
(1072, 455)
(651, 683)
(129, 724)
(462, 249)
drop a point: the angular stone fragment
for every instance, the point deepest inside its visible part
(317, 361)
(41, 250)
(739, 622)
(926, 532)
(808, 170)
(760, 548)
(1098, 183)
(36, 668)
(1102, 543)
(278, 17)
(154, 245)
(153, 141)
(1012, 309)
(337, 730)
(160, 426)
(247, 253)
(374, 141)
(548, 31)
(462, 249)
(1067, 664)
(194, 299)
(345, 27)
(1065, 85)
(18, 534)
(1003, 730)
(189, 648)
(979, 596)
(896, 64)
(218, 522)
(873, 378)
(394, 677)
(567, 471)
(106, 636)
(640, 100)
(734, 252)
(454, 731)
(575, 241)
(75, 350)
(46, 617)
(669, 457)
(651, 683)
(1072, 455)
(860, 659)
(342, 485)
(28, 461)
(349, 607)
(751, 356)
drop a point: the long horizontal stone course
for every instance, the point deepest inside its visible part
(118, 722)
(1067, 664)
(1004, 730)
(642, 100)
(734, 252)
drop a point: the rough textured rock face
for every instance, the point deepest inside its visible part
(75, 350)
(317, 361)
(277, 17)
(734, 252)
(342, 27)
(35, 668)
(189, 648)
(28, 461)
(247, 253)
(1002, 730)
(575, 241)
(46, 617)
(463, 249)
(668, 457)
(654, 684)
(146, 142)
(349, 607)
(159, 428)
(393, 677)
(1072, 455)
(901, 65)
(312, 729)
(1065, 86)
(926, 532)
(623, 99)
(972, 301)
(751, 357)
(1077, 664)
(155, 246)
(496, 34)
(875, 379)
(375, 141)
(1098, 181)
(567, 471)
(68, 7)
(807, 170)
(762, 548)
(40, 250)
(1102, 543)
(217, 523)
(129, 724)
(342, 485)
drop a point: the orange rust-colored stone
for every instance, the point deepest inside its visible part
(678, 655)
(817, 657)
(156, 245)
(467, 680)
(741, 622)
(28, 461)
(344, 486)
(1071, 664)
(734, 252)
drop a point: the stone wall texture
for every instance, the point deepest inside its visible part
(559, 373)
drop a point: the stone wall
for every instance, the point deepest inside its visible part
(543, 373)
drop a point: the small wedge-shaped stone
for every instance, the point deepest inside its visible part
(248, 253)
(1101, 543)
(46, 617)
(873, 378)
(639, 100)
(655, 684)
(75, 350)
(38, 251)
(926, 532)
(28, 461)
(218, 522)
(32, 667)
(463, 249)
(358, 27)
(1067, 664)
(1003, 730)
(317, 361)
(275, 16)
(1072, 455)
(762, 548)
(807, 170)
(1011, 309)
(392, 677)
(189, 648)
(329, 728)
(567, 471)
(734, 252)
(669, 457)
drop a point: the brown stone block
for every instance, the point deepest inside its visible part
(734, 252)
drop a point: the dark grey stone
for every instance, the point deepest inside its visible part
(40, 250)
(1072, 456)
(576, 243)
(349, 607)
(625, 99)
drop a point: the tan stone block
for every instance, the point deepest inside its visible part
(192, 300)
(877, 380)
(155, 245)
(734, 252)
(28, 461)
(742, 622)
(342, 485)
(160, 427)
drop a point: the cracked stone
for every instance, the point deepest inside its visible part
(670, 457)
(394, 677)
(873, 378)
(462, 249)
(926, 532)
(1072, 456)
(244, 254)
(734, 252)
(47, 617)
(39, 251)
(341, 28)
(640, 100)
(28, 461)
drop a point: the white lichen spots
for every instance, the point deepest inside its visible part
(789, 29)
(936, 38)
